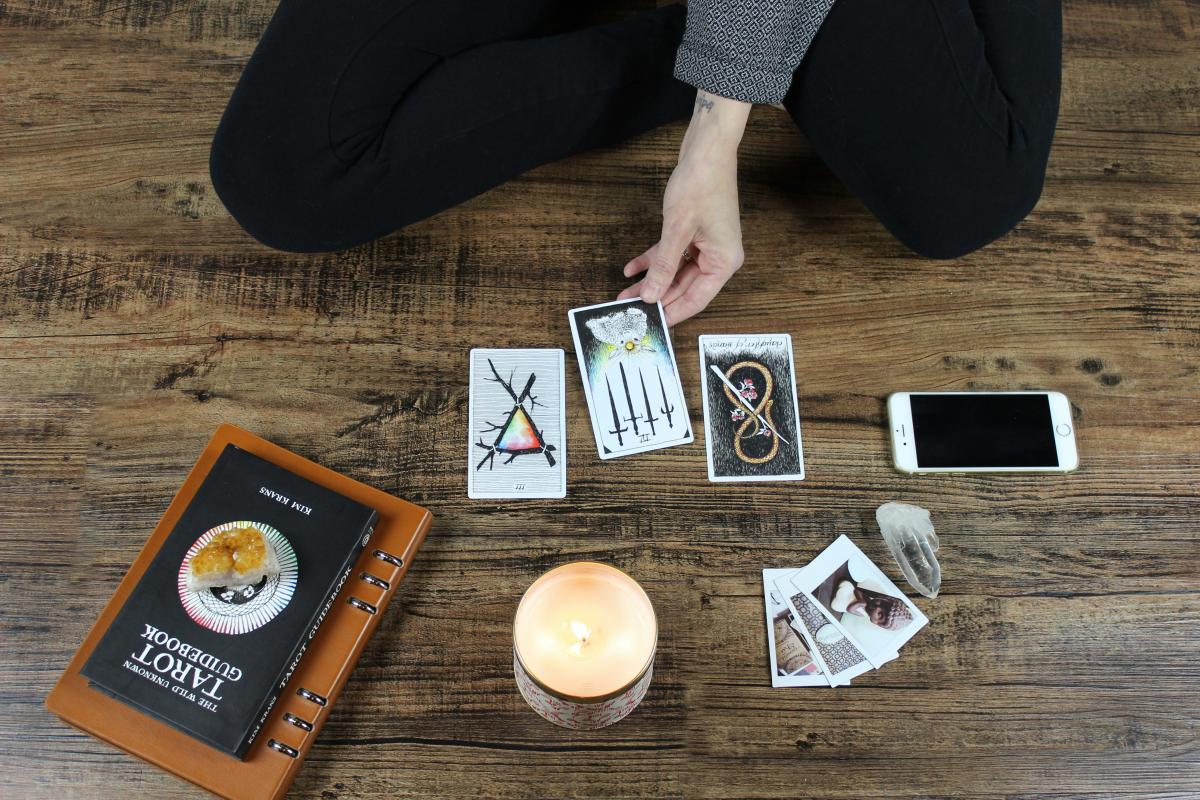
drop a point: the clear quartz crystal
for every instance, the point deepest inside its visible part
(909, 534)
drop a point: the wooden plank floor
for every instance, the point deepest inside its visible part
(1062, 659)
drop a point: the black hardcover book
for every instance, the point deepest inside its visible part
(211, 661)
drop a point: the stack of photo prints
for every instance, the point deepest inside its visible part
(834, 619)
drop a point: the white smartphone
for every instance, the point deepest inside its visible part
(982, 432)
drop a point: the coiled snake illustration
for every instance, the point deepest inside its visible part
(753, 443)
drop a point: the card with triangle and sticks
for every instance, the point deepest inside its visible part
(517, 427)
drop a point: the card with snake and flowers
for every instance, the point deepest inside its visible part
(751, 415)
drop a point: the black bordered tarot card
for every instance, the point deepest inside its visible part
(516, 424)
(751, 415)
(630, 377)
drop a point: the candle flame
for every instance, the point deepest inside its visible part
(582, 633)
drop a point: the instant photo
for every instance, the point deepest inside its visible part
(791, 656)
(863, 601)
(839, 657)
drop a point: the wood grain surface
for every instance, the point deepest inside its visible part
(1062, 659)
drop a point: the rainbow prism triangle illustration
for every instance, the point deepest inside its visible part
(518, 435)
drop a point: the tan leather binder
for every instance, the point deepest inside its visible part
(307, 700)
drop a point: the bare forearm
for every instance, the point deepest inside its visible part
(716, 128)
(701, 243)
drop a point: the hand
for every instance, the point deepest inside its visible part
(701, 244)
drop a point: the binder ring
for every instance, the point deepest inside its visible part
(302, 724)
(311, 696)
(365, 606)
(395, 561)
(371, 579)
(291, 752)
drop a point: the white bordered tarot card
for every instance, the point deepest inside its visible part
(630, 377)
(864, 602)
(791, 655)
(839, 658)
(517, 424)
(751, 415)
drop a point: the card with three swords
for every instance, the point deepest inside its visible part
(630, 377)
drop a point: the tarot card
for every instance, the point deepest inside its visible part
(792, 660)
(861, 600)
(751, 418)
(839, 658)
(630, 377)
(517, 424)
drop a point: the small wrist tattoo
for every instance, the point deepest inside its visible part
(703, 103)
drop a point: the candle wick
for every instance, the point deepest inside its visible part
(582, 634)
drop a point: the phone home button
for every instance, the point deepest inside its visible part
(1063, 429)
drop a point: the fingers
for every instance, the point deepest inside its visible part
(684, 308)
(665, 262)
(641, 263)
(697, 296)
(683, 279)
(631, 292)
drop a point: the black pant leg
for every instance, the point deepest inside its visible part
(938, 114)
(355, 118)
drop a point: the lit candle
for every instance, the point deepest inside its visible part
(583, 645)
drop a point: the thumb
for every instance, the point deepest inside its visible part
(665, 263)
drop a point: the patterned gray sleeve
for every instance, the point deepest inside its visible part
(747, 49)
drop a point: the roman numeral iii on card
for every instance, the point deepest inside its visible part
(630, 377)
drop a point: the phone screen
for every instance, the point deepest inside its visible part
(983, 430)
